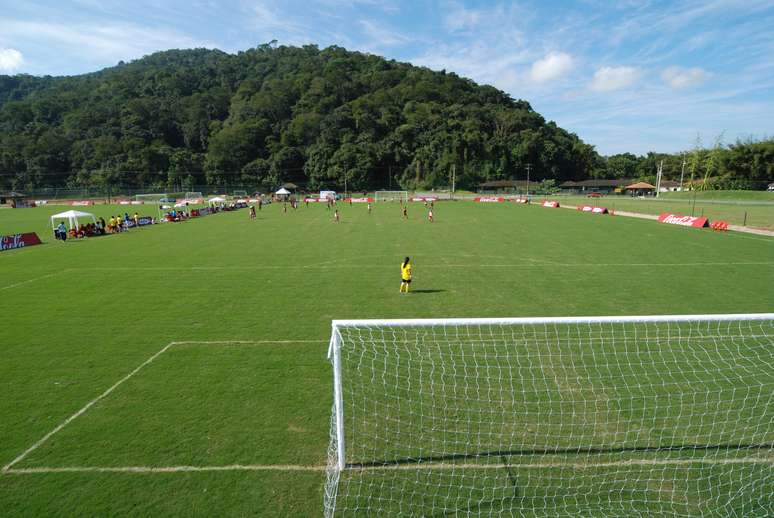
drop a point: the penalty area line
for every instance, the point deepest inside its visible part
(8, 468)
(80, 412)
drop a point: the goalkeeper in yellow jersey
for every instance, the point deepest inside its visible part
(405, 275)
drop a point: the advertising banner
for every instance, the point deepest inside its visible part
(520, 200)
(81, 203)
(685, 221)
(550, 204)
(593, 210)
(489, 199)
(142, 221)
(19, 241)
(359, 200)
(424, 198)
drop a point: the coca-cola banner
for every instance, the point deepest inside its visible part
(359, 200)
(686, 221)
(425, 198)
(551, 204)
(81, 203)
(489, 199)
(19, 241)
(520, 200)
(317, 200)
(593, 210)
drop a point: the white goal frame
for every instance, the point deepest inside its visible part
(334, 347)
(391, 196)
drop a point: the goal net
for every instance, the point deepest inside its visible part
(600, 416)
(391, 196)
(194, 197)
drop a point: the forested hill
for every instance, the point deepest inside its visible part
(271, 115)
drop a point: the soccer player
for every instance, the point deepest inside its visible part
(136, 219)
(336, 216)
(369, 208)
(405, 275)
(430, 215)
(405, 212)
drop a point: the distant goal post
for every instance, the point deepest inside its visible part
(391, 196)
(552, 416)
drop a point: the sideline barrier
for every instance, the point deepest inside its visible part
(685, 221)
(593, 210)
(424, 198)
(550, 204)
(316, 200)
(14, 241)
(141, 222)
(489, 199)
(81, 203)
(719, 225)
(358, 200)
(520, 200)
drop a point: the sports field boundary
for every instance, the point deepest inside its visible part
(419, 466)
(653, 217)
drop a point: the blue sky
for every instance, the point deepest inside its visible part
(625, 75)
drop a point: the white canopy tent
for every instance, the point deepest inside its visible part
(283, 192)
(72, 217)
(217, 199)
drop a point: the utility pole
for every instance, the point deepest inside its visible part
(454, 177)
(682, 173)
(389, 173)
(529, 167)
(658, 177)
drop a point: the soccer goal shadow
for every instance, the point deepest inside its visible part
(494, 505)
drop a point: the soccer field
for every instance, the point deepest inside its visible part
(181, 369)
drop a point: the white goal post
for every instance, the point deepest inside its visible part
(572, 416)
(391, 196)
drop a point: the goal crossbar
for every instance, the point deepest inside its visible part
(425, 322)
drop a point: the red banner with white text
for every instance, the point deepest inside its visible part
(685, 221)
(550, 204)
(359, 200)
(489, 199)
(19, 241)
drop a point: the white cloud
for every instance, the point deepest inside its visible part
(96, 45)
(381, 36)
(551, 67)
(607, 79)
(678, 77)
(10, 60)
(459, 18)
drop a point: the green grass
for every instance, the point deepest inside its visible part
(752, 212)
(723, 195)
(80, 316)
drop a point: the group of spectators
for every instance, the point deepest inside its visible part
(114, 225)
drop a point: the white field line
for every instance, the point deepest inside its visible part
(249, 342)
(8, 467)
(22, 283)
(84, 409)
(389, 467)
(425, 266)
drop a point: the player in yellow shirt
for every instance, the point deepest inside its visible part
(405, 275)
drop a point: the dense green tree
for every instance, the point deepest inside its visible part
(320, 118)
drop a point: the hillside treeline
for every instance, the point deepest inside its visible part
(271, 115)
